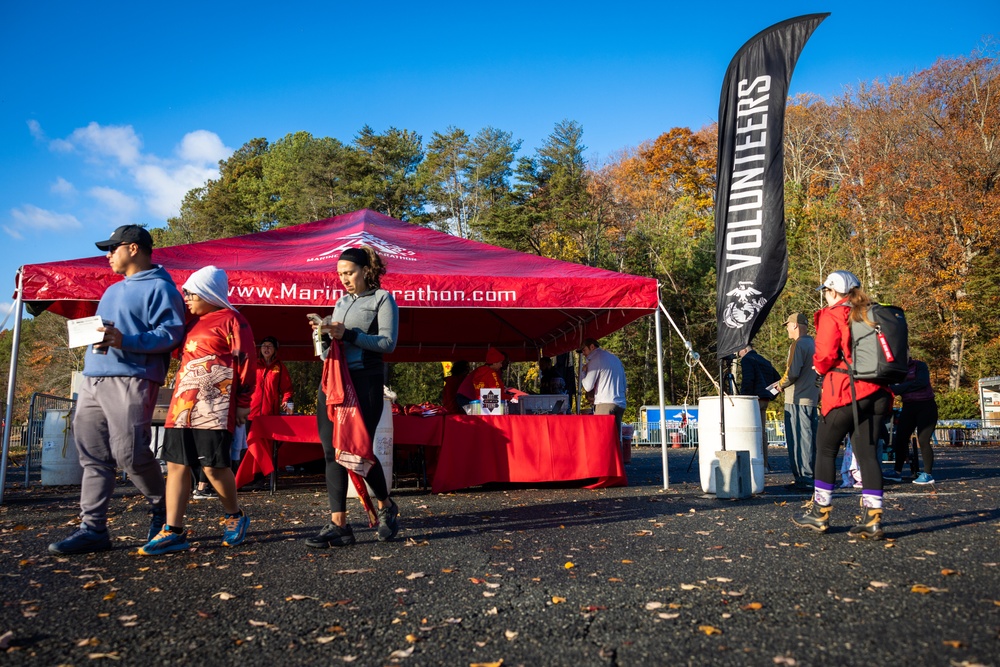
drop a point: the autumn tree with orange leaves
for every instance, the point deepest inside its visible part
(921, 169)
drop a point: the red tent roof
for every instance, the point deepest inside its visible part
(456, 297)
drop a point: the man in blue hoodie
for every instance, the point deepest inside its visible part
(144, 322)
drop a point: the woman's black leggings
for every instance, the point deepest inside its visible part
(922, 416)
(838, 423)
(369, 391)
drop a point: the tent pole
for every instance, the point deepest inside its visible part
(722, 403)
(663, 408)
(11, 384)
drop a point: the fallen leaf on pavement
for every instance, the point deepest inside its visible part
(403, 653)
(223, 595)
(510, 635)
(415, 575)
(650, 606)
(556, 599)
(709, 630)
(753, 606)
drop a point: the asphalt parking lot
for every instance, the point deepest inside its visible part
(524, 576)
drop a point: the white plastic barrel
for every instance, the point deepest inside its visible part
(60, 462)
(383, 448)
(742, 434)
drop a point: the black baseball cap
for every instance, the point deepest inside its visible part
(126, 234)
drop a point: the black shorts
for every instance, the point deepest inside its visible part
(198, 447)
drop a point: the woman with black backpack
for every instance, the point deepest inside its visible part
(845, 303)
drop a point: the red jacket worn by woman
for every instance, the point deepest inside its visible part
(274, 388)
(833, 345)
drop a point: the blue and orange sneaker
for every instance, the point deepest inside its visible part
(165, 542)
(236, 529)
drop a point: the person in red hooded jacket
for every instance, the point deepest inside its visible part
(845, 302)
(274, 384)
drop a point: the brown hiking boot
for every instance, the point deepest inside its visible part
(869, 525)
(816, 518)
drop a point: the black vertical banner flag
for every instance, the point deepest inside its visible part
(751, 257)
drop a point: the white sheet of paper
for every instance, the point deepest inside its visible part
(84, 331)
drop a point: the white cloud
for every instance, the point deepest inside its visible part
(116, 141)
(164, 188)
(36, 130)
(32, 218)
(62, 187)
(203, 147)
(118, 206)
(158, 183)
(60, 146)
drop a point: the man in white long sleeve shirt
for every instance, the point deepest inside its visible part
(604, 380)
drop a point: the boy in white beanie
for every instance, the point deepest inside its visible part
(211, 397)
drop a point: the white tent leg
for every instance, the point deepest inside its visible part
(663, 409)
(11, 384)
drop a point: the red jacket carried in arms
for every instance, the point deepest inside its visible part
(833, 345)
(274, 388)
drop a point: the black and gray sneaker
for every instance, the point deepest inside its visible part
(331, 535)
(388, 522)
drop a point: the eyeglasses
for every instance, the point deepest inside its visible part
(188, 295)
(113, 248)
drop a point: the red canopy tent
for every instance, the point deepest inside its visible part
(457, 298)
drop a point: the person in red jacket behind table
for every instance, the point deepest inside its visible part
(845, 302)
(486, 376)
(274, 385)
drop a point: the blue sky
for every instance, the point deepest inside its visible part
(111, 111)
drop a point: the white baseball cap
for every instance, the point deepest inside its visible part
(840, 282)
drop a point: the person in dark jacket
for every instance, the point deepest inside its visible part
(801, 397)
(757, 377)
(846, 302)
(919, 412)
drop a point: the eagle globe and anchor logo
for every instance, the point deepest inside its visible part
(358, 239)
(746, 306)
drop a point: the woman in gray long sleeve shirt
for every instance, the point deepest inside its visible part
(366, 320)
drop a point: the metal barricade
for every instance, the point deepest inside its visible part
(647, 434)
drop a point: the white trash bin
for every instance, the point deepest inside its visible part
(743, 433)
(60, 461)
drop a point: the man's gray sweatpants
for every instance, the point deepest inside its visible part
(112, 426)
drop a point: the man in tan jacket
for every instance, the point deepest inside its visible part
(801, 399)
